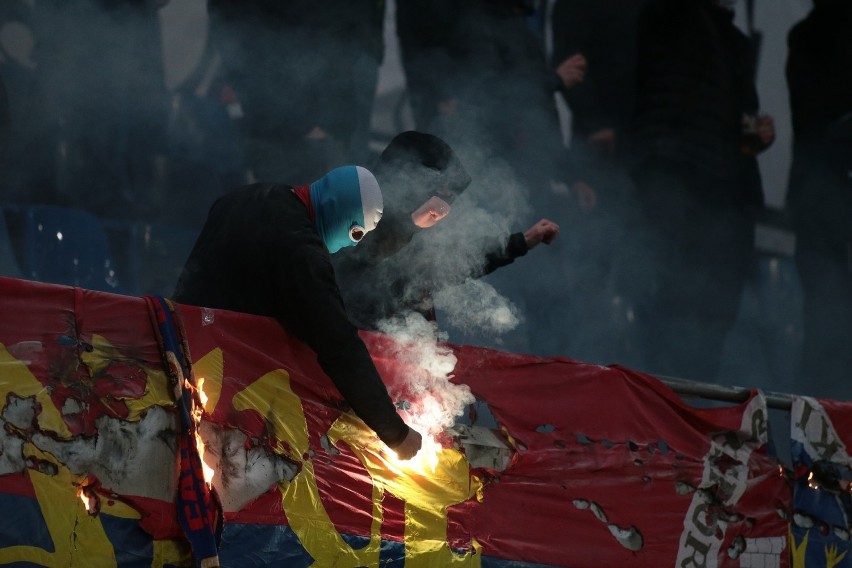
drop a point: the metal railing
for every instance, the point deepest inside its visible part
(724, 393)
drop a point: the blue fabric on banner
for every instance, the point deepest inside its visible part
(133, 547)
(820, 512)
(22, 523)
(257, 546)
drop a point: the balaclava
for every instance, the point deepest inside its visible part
(344, 199)
(414, 167)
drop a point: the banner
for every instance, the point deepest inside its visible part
(820, 528)
(592, 466)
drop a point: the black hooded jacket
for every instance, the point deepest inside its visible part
(694, 83)
(259, 253)
(819, 77)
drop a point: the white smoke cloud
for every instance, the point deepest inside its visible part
(436, 402)
(476, 305)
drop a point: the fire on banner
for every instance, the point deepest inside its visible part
(822, 503)
(606, 466)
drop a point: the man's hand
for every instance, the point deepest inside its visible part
(410, 446)
(428, 214)
(542, 232)
(572, 71)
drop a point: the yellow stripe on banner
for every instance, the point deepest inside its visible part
(273, 398)
(798, 551)
(171, 553)
(78, 538)
(16, 378)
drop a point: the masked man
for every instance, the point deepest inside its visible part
(387, 275)
(265, 250)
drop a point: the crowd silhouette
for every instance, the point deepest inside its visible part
(656, 184)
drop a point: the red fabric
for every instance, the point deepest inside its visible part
(589, 442)
(303, 192)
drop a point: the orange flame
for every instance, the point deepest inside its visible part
(89, 501)
(811, 483)
(201, 393)
(428, 419)
(424, 463)
(209, 472)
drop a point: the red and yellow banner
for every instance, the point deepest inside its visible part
(603, 466)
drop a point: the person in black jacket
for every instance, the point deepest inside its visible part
(477, 76)
(388, 274)
(278, 239)
(305, 74)
(697, 179)
(819, 197)
(603, 33)
(101, 73)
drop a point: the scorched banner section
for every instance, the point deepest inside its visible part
(821, 431)
(592, 466)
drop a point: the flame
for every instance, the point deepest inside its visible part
(425, 462)
(201, 393)
(811, 483)
(89, 501)
(209, 472)
(429, 419)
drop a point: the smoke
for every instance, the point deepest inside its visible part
(477, 306)
(435, 401)
(113, 68)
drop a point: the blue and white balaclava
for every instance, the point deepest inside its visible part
(347, 204)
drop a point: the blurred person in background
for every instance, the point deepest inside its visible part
(477, 76)
(697, 132)
(603, 34)
(305, 74)
(819, 197)
(101, 74)
(26, 167)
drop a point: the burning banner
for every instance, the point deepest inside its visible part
(822, 502)
(582, 466)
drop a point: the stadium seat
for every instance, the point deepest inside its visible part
(155, 255)
(8, 261)
(61, 245)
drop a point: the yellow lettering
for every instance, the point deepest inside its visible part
(426, 496)
(273, 398)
